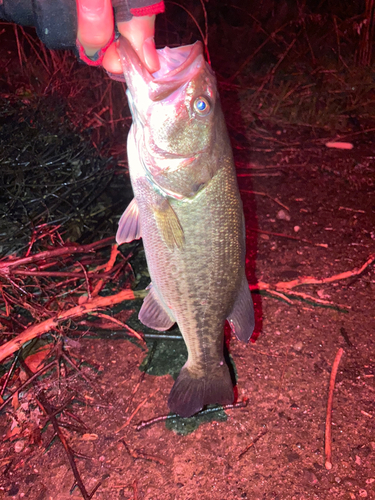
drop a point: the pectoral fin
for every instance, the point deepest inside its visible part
(129, 228)
(154, 313)
(169, 225)
(241, 319)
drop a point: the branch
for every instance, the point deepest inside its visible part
(58, 252)
(328, 434)
(45, 326)
(309, 280)
(285, 287)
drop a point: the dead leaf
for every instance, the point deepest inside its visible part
(15, 401)
(35, 361)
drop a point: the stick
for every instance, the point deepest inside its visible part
(261, 434)
(47, 409)
(136, 411)
(284, 287)
(137, 454)
(328, 433)
(108, 267)
(120, 323)
(248, 191)
(9, 374)
(162, 418)
(45, 326)
(28, 381)
(308, 280)
(287, 236)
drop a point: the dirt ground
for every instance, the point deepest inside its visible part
(310, 211)
(284, 374)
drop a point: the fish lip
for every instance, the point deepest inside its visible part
(162, 86)
(196, 49)
(130, 60)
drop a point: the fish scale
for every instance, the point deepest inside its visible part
(190, 217)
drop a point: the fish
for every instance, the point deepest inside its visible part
(188, 211)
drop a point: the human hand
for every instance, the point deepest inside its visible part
(96, 34)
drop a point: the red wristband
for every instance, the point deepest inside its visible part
(149, 10)
(97, 58)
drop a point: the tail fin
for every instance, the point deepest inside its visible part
(189, 394)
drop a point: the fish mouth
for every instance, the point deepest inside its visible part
(177, 66)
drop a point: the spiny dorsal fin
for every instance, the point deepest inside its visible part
(169, 225)
(129, 228)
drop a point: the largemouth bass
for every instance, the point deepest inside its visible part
(188, 210)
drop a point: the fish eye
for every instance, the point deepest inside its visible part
(202, 106)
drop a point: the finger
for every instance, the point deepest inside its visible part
(111, 61)
(140, 32)
(95, 24)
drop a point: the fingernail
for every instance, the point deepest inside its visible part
(150, 56)
(92, 6)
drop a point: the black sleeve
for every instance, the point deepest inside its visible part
(126, 9)
(55, 21)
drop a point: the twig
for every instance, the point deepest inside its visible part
(283, 56)
(69, 452)
(28, 381)
(142, 375)
(352, 210)
(162, 418)
(88, 286)
(282, 288)
(32, 44)
(351, 134)
(6, 264)
(45, 326)
(307, 297)
(51, 415)
(193, 18)
(9, 374)
(308, 280)
(267, 195)
(108, 267)
(137, 454)
(282, 235)
(19, 49)
(123, 325)
(328, 433)
(272, 37)
(61, 354)
(205, 39)
(346, 336)
(136, 411)
(260, 435)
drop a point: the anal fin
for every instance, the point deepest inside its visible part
(154, 313)
(129, 228)
(241, 319)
